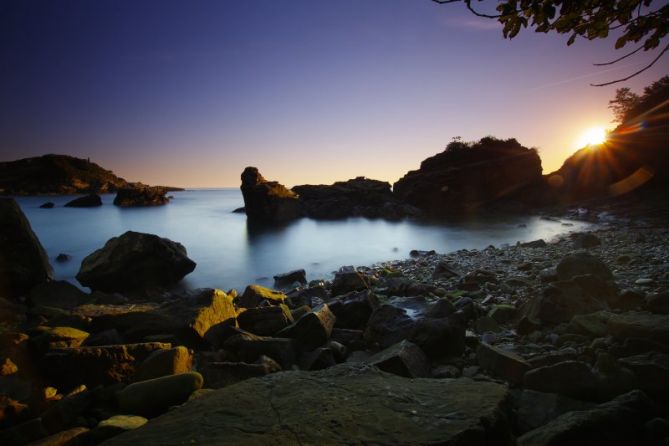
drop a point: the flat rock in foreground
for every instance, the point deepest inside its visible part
(342, 405)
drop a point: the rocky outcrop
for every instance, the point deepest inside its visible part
(23, 261)
(138, 195)
(335, 407)
(87, 201)
(359, 197)
(268, 201)
(135, 260)
(466, 177)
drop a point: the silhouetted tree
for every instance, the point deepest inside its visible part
(638, 22)
(627, 105)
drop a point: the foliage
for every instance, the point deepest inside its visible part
(627, 105)
(633, 21)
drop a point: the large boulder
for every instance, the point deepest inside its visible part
(153, 396)
(133, 261)
(468, 176)
(23, 261)
(341, 405)
(141, 195)
(268, 201)
(87, 201)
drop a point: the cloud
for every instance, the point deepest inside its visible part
(476, 24)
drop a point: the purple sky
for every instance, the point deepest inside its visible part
(188, 93)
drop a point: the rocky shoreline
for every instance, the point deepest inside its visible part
(547, 342)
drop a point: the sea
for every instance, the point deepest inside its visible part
(231, 254)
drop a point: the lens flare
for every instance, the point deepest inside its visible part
(592, 137)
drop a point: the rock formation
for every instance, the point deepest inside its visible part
(137, 195)
(87, 201)
(466, 177)
(268, 201)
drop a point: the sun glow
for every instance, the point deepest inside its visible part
(592, 137)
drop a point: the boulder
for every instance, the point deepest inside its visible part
(291, 277)
(268, 201)
(87, 201)
(265, 321)
(640, 324)
(249, 348)
(388, 325)
(111, 427)
(57, 293)
(506, 365)
(652, 372)
(353, 310)
(534, 409)
(571, 378)
(658, 302)
(347, 280)
(49, 338)
(23, 261)
(64, 438)
(466, 177)
(47, 205)
(221, 374)
(165, 362)
(92, 366)
(312, 330)
(581, 263)
(404, 359)
(445, 270)
(135, 261)
(256, 295)
(154, 396)
(439, 337)
(618, 422)
(141, 195)
(586, 240)
(317, 359)
(562, 300)
(335, 406)
(540, 243)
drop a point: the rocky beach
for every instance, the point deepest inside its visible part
(559, 341)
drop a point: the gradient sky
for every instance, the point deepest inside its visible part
(188, 93)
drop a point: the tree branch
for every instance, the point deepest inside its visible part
(468, 3)
(618, 59)
(634, 74)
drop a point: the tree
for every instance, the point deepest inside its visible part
(622, 103)
(634, 21)
(627, 105)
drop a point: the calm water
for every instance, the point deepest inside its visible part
(230, 255)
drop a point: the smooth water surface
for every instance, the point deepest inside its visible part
(229, 254)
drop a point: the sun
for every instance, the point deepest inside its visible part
(594, 136)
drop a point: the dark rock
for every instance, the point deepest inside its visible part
(62, 258)
(312, 330)
(92, 366)
(298, 298)
(353, 310)
(560, 301)
(268, 201)
(441, 308)
(418, 253)
(289, 278)
(23, 433)
(256, 295)
(87, 201)
(135, 261)
(502, 313)
(629, 300)
(65, 438)
(388, 325)
(265, 321)
(317, 359)
(439, 337)
(352, 339)
(652, 372)
(348, 280)
(165, 362)
(506, 365)
(221, 374)
(105, 337)
(249, 347)
(241, 210)
(23, 261)
(50, 338)
(616, 423)
(593, 324)
(58, 293)
(445, 270)
(540, 243)
(640, 325)
(582, 263)
(139, 195)
(68, 411)
(404, 359)
(47, 205)
(112, 427)
(280, 408)
(658, 302)
(535, 409)
(586, 240)
(465, 177)
(154, 396)
(572, 378)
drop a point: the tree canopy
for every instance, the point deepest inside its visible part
(627, 105)
(628, 21)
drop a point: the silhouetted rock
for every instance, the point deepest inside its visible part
(289, 278)
(138, 195)
(466, 177)
(268, 201)
(23, 261)
(135, 260)
(87, 201)
(47, 205)
(62, 258)
(359, 197)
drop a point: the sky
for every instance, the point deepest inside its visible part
(188, 93)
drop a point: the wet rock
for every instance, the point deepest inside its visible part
(581, 263)
(352, 402)
(658, 302)
(388, 325)
(352, 310)
(404, 359)
(23, 261)
(265, 321)
(257, 295)
(47, 205)
(152, 397)
(572, 378)
(506, 365)
(58, 293)
(640, 325)
(140, 195)
(348, 280)
(268, 201)
(70, 367)
(135, 261)
(289, 278)
(439, 337)
(312, 330)
(165, 362)
(249, 348)
(616, 423)
(535, 409)
(87, 201)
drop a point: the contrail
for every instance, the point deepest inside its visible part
(583, 76)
